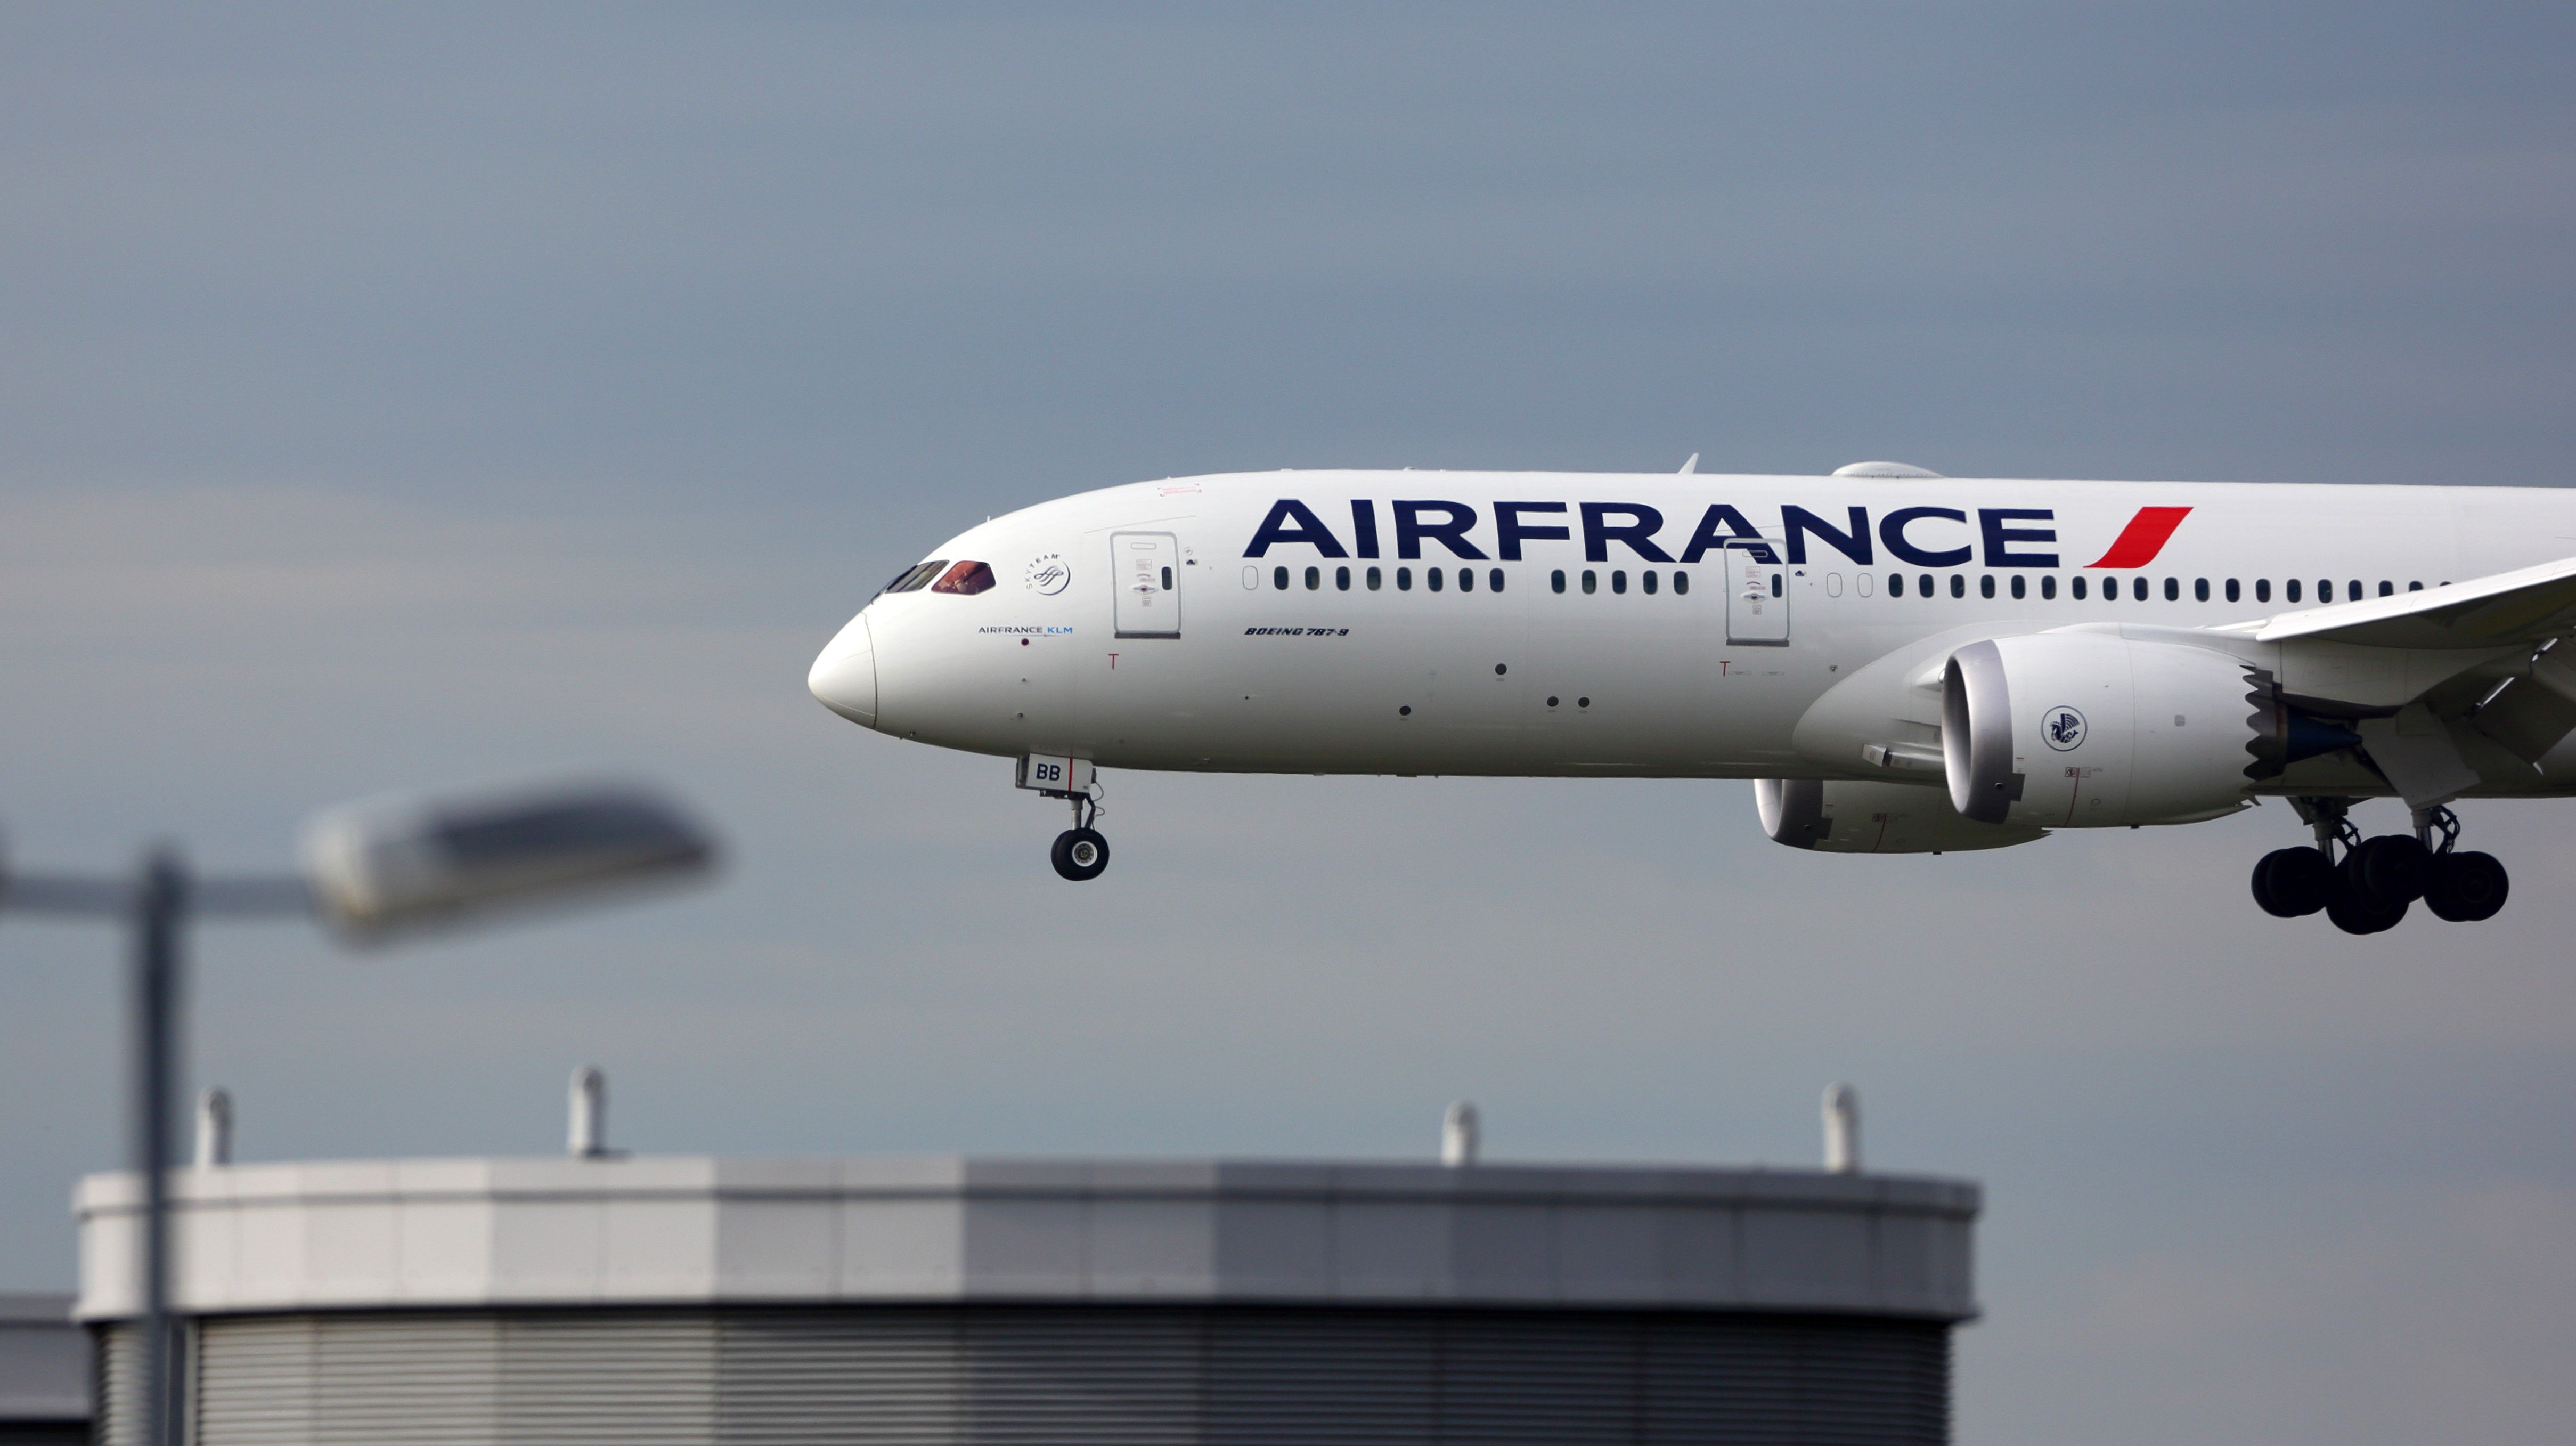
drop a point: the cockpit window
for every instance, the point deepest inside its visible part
(965, 577)
(918, 576)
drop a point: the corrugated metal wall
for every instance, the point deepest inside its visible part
(998, 1375)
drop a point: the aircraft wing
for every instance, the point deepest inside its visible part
(2527, 605)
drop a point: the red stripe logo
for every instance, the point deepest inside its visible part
(2144, 537)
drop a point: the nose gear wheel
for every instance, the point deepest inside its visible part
(1080, 853)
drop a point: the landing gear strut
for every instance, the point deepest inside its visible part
(1080, 852)
(2370, 888)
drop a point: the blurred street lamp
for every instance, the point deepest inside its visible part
(371, 871)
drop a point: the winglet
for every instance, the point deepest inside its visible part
(1690, 466)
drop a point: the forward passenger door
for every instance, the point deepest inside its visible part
(1145, 568)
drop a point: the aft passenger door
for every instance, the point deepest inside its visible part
(1145, 567)
(1757, 595)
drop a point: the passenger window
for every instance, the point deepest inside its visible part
(2414, 587)
(1649, 582)
(1466, 579)
(1404, 579)
(2325, 589)
(2021, 587)
(1896, 584)
(2290, 590)
(1341, 579)
(2048, 588)
(1618, 579)
(1494, 579)
(1556, 580)
(1372, 579)
(2075, 587)
(1958, 584)
(2387, 588)
(974, 577)
(1591, 581)
(1923, 584)
(1681, 583)
(1431, 578)
(2138, 589)
(2262, 589)
(2234, 593)
(1986, 585)
(1167, 577)
(1314, 579)
(1279, 578)
(1775, 584)
(2200, 589)
(2352, 591)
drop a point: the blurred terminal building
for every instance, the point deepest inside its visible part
(611, 1299)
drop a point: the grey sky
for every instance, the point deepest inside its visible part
(400, 396)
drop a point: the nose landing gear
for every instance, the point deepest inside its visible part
(1080, 852)
(2371, 887)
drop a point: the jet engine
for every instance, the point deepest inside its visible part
(1840, 817)
(2093, 730)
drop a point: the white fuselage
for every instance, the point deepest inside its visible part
(1675, 658)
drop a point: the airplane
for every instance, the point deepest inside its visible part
(1902, 662)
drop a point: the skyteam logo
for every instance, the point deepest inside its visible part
(2063, 728)
(1048, 575)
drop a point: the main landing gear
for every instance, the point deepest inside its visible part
(2371, 887)
(1080, 852)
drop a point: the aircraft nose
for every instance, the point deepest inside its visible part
(844, 678)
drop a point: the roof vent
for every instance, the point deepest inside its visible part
(1458, 1136)
(1842, 1130)
(1883, 469)
(214, 1128)
(587, 1136)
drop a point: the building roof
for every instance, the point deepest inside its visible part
(44, 1360)
(696, 1229)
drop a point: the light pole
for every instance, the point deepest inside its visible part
(372, 871)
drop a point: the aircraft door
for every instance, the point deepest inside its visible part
(1145, 567)
(1757, 595)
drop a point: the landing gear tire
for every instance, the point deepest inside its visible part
(2353, 906)
(2465, 887)
(1081, 853)
(2289, 883)
(2393, 867)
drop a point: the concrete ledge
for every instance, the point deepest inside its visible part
(696, 1229)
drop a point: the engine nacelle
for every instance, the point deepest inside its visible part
(2092, 730)
(1839, 817)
